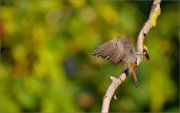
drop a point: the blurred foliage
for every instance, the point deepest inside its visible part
(46, 64)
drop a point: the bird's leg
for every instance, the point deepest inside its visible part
(126, 71)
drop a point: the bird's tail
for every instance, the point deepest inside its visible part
(135, 75)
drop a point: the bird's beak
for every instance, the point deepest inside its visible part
(135, 75)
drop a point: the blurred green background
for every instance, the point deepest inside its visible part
(46, 65)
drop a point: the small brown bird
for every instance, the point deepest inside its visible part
(119, 50)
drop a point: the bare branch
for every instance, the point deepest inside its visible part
(151, 22)
(110, 91)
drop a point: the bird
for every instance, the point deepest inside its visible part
(118, 51)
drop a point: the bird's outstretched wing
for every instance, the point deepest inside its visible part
(112, 50)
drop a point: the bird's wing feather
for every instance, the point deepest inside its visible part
(112, 50)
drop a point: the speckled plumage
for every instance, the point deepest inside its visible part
(118, 50)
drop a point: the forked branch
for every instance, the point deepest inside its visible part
(116, 81)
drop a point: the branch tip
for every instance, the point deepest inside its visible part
(111, 77)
